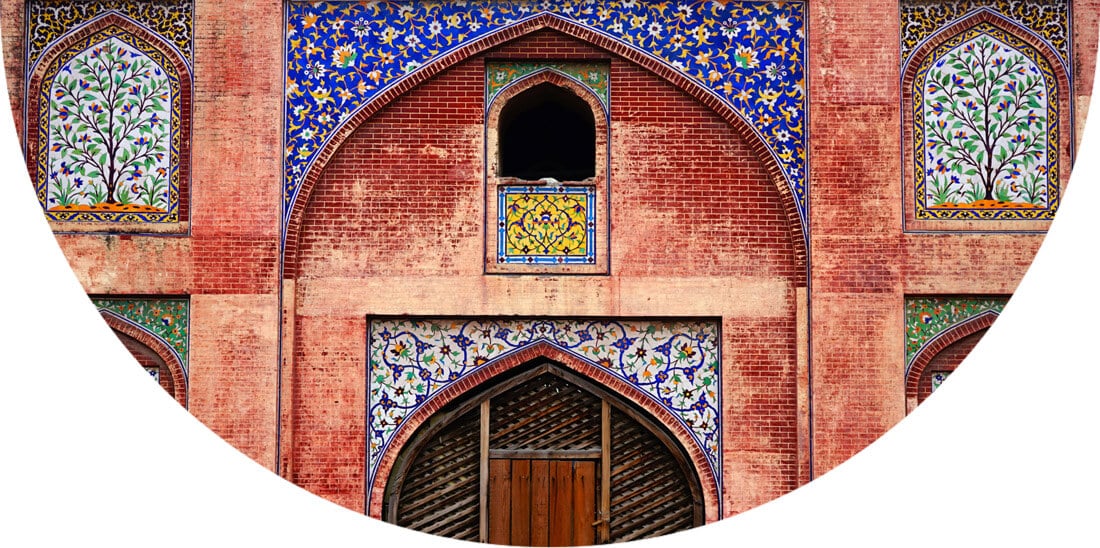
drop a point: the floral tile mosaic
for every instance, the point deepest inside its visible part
(938, 378)
(986, 109)
(48, 20)
(986, 129)
(501, 74)
(154, 372)
(109, 132)
(540, 225)
(675, 363)
(341, 55)
(165, 319)
(1048, 19)
(926, 318)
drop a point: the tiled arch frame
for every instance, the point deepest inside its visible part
(545, 351)
(293, 226)
(158, 346)
(937, 345)
(1065, 123)
(601, 114)
(182, 137)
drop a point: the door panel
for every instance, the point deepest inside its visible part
(542, 502)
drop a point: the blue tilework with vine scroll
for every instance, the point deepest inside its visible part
(341, 55)
(675, 363)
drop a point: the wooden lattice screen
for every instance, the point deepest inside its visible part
(544, 458)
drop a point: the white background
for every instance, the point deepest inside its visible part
(1002, 454)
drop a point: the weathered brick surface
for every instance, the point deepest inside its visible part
(693, 210)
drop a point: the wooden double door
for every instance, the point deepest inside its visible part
(542, 502)
(543, 458)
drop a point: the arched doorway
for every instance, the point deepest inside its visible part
(543, 457)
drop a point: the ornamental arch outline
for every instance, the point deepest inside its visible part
(933, 347)
(158, 346)
(377, 483)
(112, 24)
(298, 203)
(1063, 157)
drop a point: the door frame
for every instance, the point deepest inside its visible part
(480, 399)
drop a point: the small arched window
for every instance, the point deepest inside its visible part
(546, 170)
(547, 131)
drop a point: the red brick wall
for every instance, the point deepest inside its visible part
(697, 229)
(946, 361)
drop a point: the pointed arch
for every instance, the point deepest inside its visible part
(299, 201)
(933, 347)
(41, 75)
(539, 351)
(1059, 131)
(157, 346)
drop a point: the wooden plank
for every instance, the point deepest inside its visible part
(540, 503)
(604, 529)
(521, 502)
(584, 502)
(561, 503)
(500, 494)
(545, 454)
(483, 457)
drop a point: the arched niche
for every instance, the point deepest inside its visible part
(547, 137)
(948, 345)
(541, 455)
(111, 154)
(151, 351)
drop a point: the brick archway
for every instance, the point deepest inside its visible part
(542, 350)
(937, 345)
(295, 218)
(157, 346)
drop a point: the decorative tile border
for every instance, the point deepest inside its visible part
(926, 318)
(1008, 110)
(1048, 19)
(49, 20)
(341, 55)
(675, 363)
(108, 149)
(501, 74)
(540, 225)
(165, 319)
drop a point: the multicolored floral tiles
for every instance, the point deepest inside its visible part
(986, 129)
(109, 139)
(165, 319)
(922, 19)
(48, 20)
(938, 378)
(341, 55)
(675, 363)
(986, 108)
(501, 74)
(540, 225)
(926, 318)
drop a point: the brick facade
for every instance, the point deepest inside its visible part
(699, 222)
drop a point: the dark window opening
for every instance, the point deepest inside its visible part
(547, 131)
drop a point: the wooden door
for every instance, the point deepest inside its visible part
(542, 502)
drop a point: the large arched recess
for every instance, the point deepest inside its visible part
(181, 139)
(540, 352)
(544, 21)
